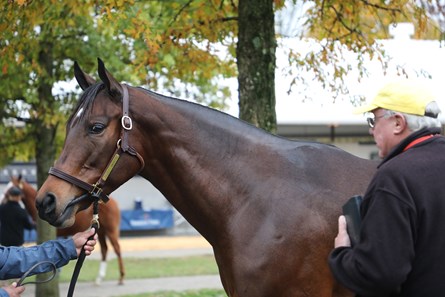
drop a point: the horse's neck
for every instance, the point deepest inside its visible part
(197, 157)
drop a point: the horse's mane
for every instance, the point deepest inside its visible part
(218, 117)
(189, 104)
(196, 108)
(227, 121)
(87, 98)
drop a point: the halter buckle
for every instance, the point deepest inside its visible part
(126, 123)
(96, 191)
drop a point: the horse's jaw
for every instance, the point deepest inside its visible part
(66, 219)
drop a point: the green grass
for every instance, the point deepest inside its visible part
(191, 293)
(137, 268)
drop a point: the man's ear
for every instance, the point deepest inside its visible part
(400, 123)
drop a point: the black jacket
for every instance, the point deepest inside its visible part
(401, 251)
(13, 222)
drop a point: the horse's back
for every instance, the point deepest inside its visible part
(320, 166)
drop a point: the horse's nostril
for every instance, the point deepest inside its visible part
(47, 206)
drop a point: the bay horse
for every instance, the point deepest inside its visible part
(267, 205)
(109, 219)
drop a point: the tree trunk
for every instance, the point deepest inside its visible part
(45, 152)
(256, 63)
(45, 156)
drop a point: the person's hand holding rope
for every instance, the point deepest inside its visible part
(13, 290)
(87, 240)
(83, 240)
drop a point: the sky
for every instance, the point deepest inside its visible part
(418, 57)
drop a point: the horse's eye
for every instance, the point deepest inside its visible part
(96, 128)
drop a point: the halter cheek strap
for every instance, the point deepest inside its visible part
(127, 125)
(122, 146)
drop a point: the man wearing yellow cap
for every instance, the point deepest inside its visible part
(401, 250)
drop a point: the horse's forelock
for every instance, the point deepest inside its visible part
(83, 107)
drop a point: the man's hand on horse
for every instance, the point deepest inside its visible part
(342, 238)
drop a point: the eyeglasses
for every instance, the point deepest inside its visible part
(372, 121)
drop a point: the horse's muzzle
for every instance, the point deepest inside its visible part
(47, 208)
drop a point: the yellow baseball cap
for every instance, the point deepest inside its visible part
(403, 96)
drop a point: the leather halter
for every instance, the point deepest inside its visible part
(96, 190)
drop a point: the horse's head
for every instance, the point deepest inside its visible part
(97, 156)
(5, 191)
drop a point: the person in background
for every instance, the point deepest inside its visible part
(13, 219)
(401, 247)
(15, 261)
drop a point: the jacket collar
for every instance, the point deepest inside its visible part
(405, 142)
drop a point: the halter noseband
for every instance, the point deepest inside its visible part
(96, 190)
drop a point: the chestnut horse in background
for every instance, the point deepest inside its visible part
(109, 218)
(268, 205)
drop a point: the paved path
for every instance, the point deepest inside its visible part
(146, 248)
(111, 288)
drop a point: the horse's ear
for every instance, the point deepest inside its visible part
(83, 79)
(113, 86)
